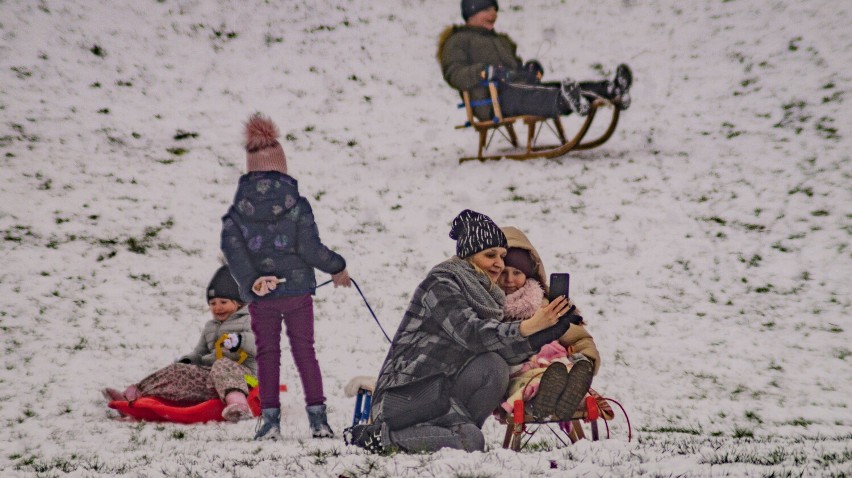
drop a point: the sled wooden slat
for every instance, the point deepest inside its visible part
(505, 127)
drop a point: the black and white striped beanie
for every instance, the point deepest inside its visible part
(475, 232)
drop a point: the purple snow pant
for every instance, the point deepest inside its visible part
(297, 312)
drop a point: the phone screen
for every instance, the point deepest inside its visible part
(558, 285)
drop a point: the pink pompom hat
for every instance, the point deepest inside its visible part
(263, 151)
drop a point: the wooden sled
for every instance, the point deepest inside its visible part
(505, 126)
(593, 408)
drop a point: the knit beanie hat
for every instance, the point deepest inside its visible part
(475, 232)
(520, 259)
(470, 8)
(223, 286)
(263, 151)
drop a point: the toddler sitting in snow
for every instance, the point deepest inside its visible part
(200, 376)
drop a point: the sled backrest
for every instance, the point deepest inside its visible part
(493, 100)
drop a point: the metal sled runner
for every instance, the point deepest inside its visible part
(505, 126)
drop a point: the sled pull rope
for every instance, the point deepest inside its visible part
(371, 310)
(365, 303)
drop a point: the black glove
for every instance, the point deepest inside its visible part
(573, 316)
(534, 71)
(543, 337)
(495, 73)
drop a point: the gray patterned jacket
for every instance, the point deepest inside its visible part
(454, 315)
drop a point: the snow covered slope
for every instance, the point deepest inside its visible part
(708, 241)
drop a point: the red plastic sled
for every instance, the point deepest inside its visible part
(151, 409)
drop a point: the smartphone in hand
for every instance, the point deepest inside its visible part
(558, 285)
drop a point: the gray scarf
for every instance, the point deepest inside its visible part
(484, 297)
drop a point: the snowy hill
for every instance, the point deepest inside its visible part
(708, 241)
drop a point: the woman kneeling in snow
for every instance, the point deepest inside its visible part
(447, 369)
(199, 376)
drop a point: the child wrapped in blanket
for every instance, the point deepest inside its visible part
(555, 380)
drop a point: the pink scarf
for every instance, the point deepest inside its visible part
(523, 303)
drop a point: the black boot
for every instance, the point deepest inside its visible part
(621, 85)
(578, 380)
(366, 436)
(571, 98)
(553, 382)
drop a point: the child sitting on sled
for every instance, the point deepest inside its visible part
(200, 375)
(474, 52)
(555, 380)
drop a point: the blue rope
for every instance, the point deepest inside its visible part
(365, 303)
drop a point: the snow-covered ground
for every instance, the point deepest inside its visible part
(708, 241)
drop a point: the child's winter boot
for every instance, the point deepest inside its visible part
(319, 421)
(553, 382)
(237, 407)
(621, 85)
(112, 395)
(572, 98)
(578, 381)
(269, 424)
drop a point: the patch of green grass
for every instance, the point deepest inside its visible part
(754, 261)
(764, 289)
(673, 429)
(222, 33)
(321, 456)
(22, 72)
(799, 422)
(753, 416)
(146, 278)
(824, 128)
(269, 39)
(779, 247)
(793, 45)
(181, 135)
(543, 445)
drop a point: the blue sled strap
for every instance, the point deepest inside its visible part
(362, 407)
